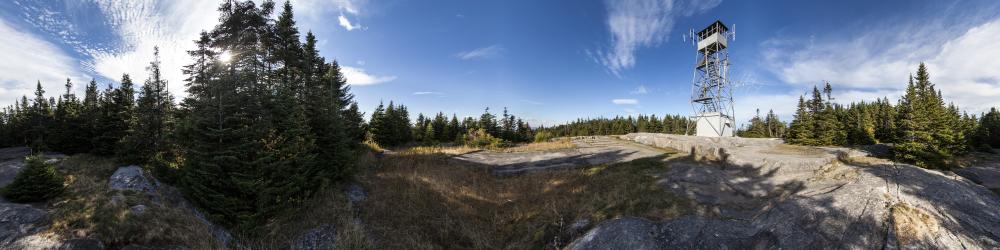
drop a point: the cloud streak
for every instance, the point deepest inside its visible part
(637, 24)
(625, 101)
(491, 51)
(641, 90)
(358, 76)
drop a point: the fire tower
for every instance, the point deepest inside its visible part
(711, 93)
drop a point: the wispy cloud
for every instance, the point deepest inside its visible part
(641, 90)
(638, 24)
(962, 62)
(428, 93)
(531, 102)
(625, 101)
(141, 25)
(491, 51)
(358, 76)
(344, 22)
(27, 60)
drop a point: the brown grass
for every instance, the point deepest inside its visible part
(557, 144)
(912, 225)
(789, 149)
(422, 200)
(87, 210)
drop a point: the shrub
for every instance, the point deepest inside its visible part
(480, 139)
(38, 181)
(543, 136)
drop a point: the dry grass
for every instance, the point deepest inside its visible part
(788, 149)
(912, 225)
(425, 200)
(561, 143)
(87, 210)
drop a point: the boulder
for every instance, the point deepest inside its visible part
(131, 178)
(20, 220)
(319, 238)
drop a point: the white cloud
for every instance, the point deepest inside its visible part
(625, 101)
(641, 90)
(141, 25)
(427, 93)
(481, 53)
(344, 22)
(531, 102)
(315, 7)
(639, 24)
(28, 60)
(962, 62)
(358, 76)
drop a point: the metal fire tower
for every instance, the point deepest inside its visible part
(711, 93)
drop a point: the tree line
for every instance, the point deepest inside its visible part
(768, 127)
(921, 127)
(390, 126)
(668, 124)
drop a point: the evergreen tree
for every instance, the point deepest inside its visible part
(38, 181)
(801, 129)
(149, 134)
(488, 123)
(988, 132)
(39, 120)
(927, 134)
(68, 135)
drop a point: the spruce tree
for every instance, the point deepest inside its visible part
(154, 113)
(801, 129)
(38, 181)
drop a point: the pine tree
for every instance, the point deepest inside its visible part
(68, 136)
(988, 132)
(453, 129)
(801, 129)
(39, 120)
(149, 133)
(38, 181)
(488, 123)
(927, 135)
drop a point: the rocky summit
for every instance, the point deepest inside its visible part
(763, 194)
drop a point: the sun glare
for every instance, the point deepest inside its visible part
(225, 56)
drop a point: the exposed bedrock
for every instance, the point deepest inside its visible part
(761, 193)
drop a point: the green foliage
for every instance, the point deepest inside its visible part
(481, 139)
(924, 129)
(263, 131)
(930, 132)
(801, 129)
(987, 134)
(669, 124)
(543, 136)
(768, 127)
(149, 132)
(38, 181)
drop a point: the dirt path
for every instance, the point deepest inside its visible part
(589, 150)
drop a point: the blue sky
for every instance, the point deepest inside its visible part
(547, 61)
